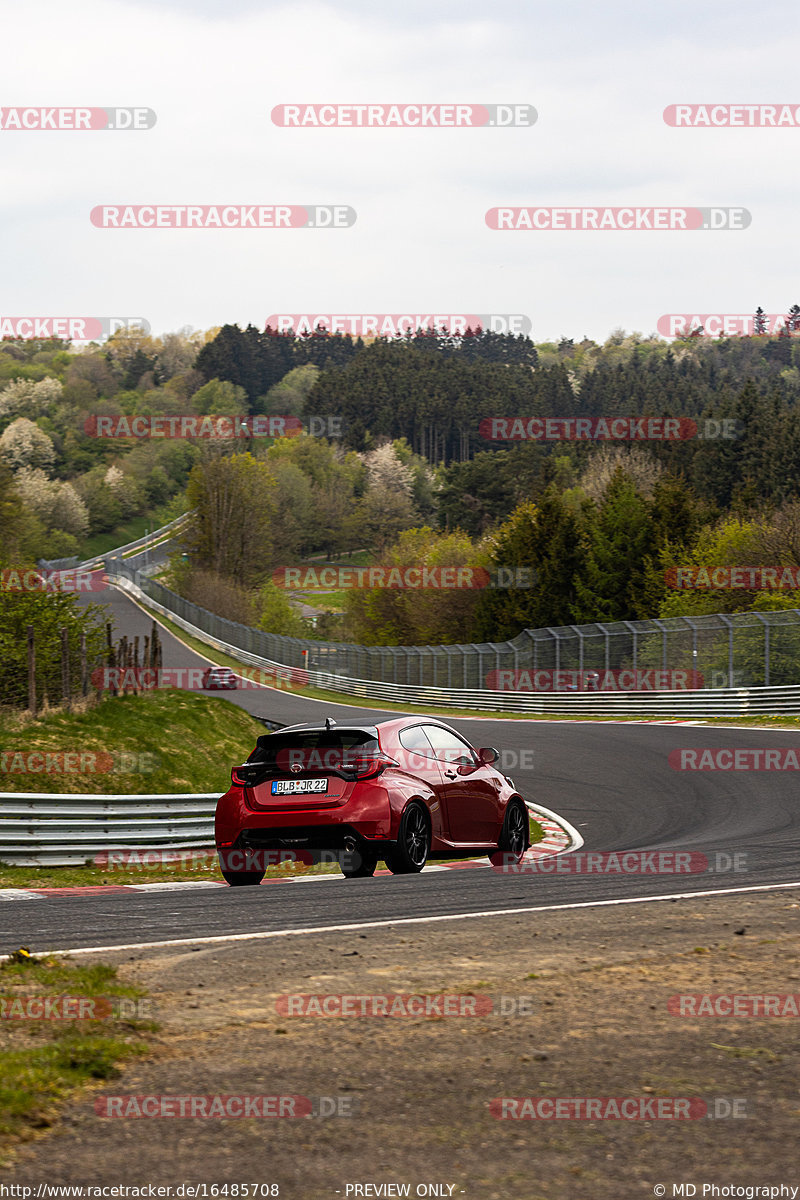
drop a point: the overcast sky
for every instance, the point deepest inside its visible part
(598, 74)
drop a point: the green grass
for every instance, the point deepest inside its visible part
(191, 740)
(185, 742)
(45, 1062)
(326, 601)
(137, 527)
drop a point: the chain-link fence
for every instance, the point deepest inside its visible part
(741, 650)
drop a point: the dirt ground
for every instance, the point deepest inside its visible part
(594, 1023)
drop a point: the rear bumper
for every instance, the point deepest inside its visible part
(333, 836)
(366, 816)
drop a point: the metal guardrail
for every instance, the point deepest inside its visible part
(716, 651)
(46, 829)
(708, 702)
(153, 536)
(119, 551)
(143, 560)
(73, 564)
(40, 829)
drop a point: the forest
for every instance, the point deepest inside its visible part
(390, 451)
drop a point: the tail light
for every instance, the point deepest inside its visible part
(249, 774)
(349, 766)
(366, 766)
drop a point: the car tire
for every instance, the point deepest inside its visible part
(365, 864)
(409, 853)
(243, 878)
(515, 834)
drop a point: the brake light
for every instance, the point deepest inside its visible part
(367, 766)
(249, 774)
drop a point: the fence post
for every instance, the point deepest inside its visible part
(31, 671)
(84, 666)
(65, 688)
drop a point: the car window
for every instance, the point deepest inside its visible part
(313, 749)
(415, 740)
(448, 746)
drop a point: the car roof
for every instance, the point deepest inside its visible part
(390, 725)
(321, 727)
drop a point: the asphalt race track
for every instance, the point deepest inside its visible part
(612, 782)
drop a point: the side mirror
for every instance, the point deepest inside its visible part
(488, 755)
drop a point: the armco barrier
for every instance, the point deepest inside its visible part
(40, 829)
(153, 536)
(43, 829)
(149, 539)
(708, 702)
(742, 650)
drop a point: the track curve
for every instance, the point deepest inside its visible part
(613, 782)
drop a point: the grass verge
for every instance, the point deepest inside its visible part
(43, 1062)
(159, 741)
(197, 867)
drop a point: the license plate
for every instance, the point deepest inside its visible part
(294, 787)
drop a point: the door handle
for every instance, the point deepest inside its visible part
(451, 774)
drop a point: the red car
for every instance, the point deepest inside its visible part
(402, 791)
(219, 679)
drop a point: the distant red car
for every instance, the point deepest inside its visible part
(401, 791)
(219, 679)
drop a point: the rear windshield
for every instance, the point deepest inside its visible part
(316, 749)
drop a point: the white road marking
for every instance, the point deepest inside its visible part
(169, 886)
(263, 935)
